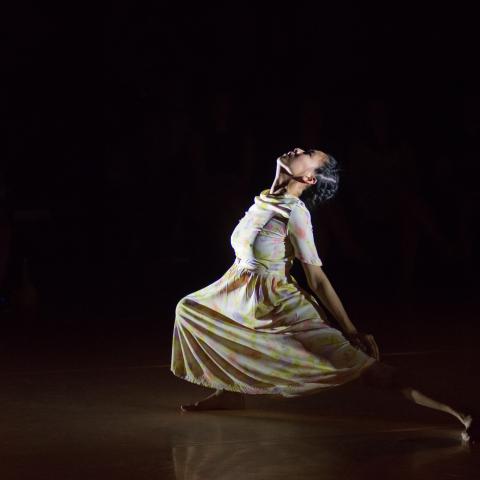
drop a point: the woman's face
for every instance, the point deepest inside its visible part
(299, 162)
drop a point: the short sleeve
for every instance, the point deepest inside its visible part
(300, 232)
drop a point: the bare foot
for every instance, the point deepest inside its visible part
(219, 400)
(472, 430)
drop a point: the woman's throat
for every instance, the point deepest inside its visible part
(284, 166)
(280, 185)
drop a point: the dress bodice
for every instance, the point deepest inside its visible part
(275, 230)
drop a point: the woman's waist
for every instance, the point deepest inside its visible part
(264, 267)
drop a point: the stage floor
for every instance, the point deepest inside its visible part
(108, 420)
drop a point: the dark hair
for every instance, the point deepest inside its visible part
(328, 178)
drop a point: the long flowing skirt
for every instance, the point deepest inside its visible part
(260, 333)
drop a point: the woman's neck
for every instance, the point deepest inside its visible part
(285, 184)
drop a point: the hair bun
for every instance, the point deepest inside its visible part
(328, 179)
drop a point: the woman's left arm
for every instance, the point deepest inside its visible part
(323, 289)
(321, 286)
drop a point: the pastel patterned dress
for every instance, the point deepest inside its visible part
(255, 330)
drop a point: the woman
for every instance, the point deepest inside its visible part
(256, 331)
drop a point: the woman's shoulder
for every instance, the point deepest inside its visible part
(300, 215)
(275, 203)
(289, 204)
(300, 207)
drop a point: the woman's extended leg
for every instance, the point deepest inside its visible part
(382, 375)
(218, 400)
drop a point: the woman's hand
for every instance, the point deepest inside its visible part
(365, 342)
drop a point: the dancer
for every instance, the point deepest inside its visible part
(257, 331)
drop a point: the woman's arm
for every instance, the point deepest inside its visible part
(322, 288)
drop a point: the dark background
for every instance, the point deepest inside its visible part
(136, 135)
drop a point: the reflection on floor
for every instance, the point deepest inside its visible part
(116, 421)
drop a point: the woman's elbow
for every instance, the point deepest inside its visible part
(316, 277)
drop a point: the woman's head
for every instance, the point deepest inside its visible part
(316, 173)
(302, 163)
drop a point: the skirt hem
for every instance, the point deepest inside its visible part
(286, 391)
(231, 388)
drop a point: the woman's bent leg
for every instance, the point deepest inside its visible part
(382, 375)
